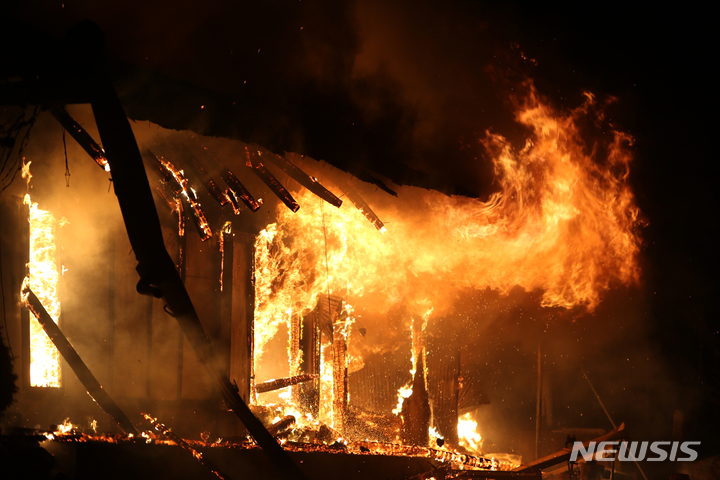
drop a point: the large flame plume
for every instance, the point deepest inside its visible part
(562, 222)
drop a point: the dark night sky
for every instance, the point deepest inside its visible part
(403, 90)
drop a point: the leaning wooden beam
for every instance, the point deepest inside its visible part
(254, 162)
(165, 432)
(93, 387)
(81, 136)
(311, 183)
(155, 266)
(362, 205)
(564, 454)
(283, 382)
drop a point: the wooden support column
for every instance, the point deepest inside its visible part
(340, 374)
(243, 310)
(308, 392)
(224, 341)
(295, 354)
(443, 385)
(415, 411)
(182, 267)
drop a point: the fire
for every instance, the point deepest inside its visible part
(468, 436)
(326, 413)
(43, 279)
(434, 436)
(404, 392)
(190, 196)
(562, 222)
(225, 230)
(66, 427)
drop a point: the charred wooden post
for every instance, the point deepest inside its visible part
(81, 136)
(340, 374)
(157, 271)
(444, 385)
(93, 387)
(254, 162)
(182, 270)
(328, 313)
(415, 411)
(242, 312)
(283, 383)
(294, 352)
(308, 392)
(311, 183)
(163, 430)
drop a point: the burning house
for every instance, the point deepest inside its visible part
(261, 306)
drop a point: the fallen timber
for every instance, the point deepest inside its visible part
(564, 454)
(158, 275)
(163, 430)
(283, 382)
(93, 387)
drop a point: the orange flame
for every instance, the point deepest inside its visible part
(468, 435)
(563, 222)
(43, 280)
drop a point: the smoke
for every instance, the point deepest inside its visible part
(400, 89)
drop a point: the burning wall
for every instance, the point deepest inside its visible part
(561, 223)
